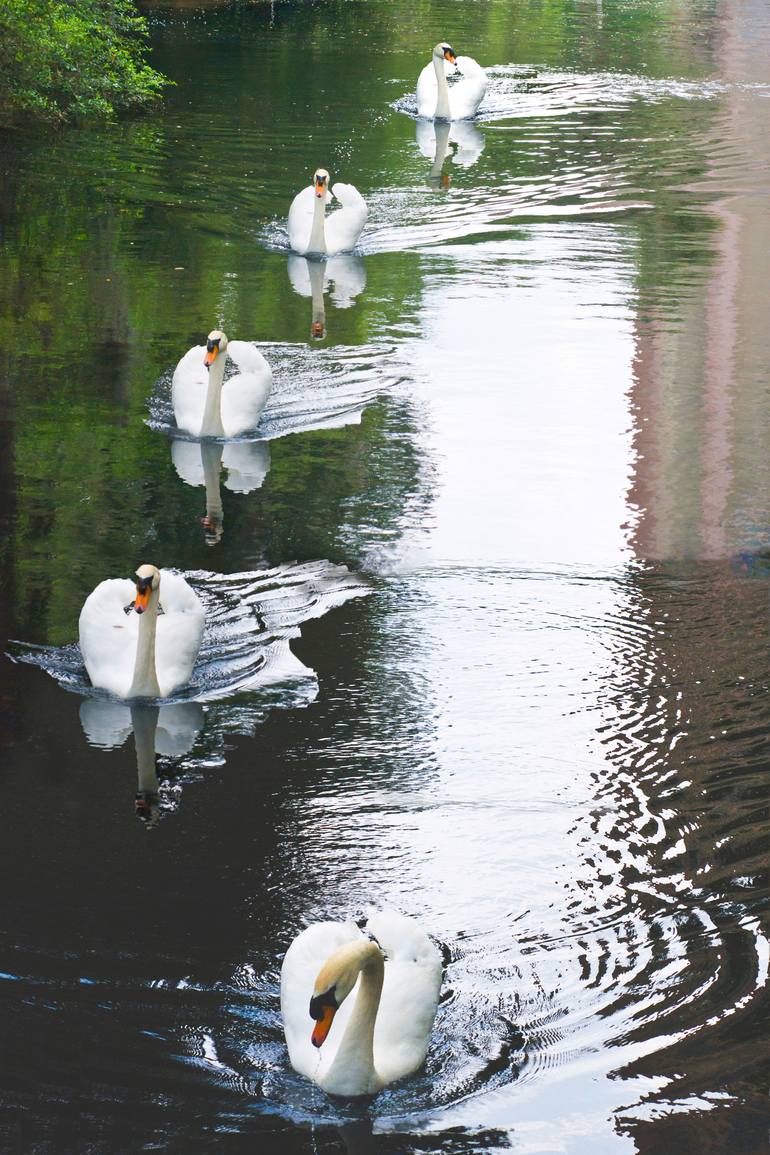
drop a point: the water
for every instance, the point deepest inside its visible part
(531, 709)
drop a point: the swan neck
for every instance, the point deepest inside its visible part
(442, 102)
(145, 680)
(211, 459)
(211, 425)
(353, 1068)
(442, 144)
(144, 720)
(318, 320)
(317, 242)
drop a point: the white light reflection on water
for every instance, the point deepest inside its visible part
(514, 819)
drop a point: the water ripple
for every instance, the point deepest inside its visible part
(519, 91)
(250, 619)
(313, 388)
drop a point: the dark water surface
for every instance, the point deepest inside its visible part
(532, 710)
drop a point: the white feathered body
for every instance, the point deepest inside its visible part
(408, 1003)
(247, 464)
(244, 395)
(109, 636)
(344, 276)
(342, 228)
(465, 95)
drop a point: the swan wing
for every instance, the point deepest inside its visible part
(343, 227)
(469, 141)
(299, 275)
(108, 635)
(425, 135)
(347, 273)
(466, 94)
(247, 464)
(105, 723)
(186, 456)
(248, 358)
(188, 390)
(301, 964)
(301, 219)
(179, 632)
(178, 726)
(427, 91)
(245, 394)
(410, 994)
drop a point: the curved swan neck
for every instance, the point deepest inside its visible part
(442, 103)
(211, 425)
(145, 680)
(317, 242)
(353, 1071)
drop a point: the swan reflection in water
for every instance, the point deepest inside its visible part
(343, 277)
(460, 139)
(200, 463)
(168, 730)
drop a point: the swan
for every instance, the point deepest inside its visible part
(357, 1047)
(200, 463)
(148, 653)
(346, 273)
(436, 100)
(169, 730)
(208, 406)
(436, 139)
(311, 231)
(107, 724)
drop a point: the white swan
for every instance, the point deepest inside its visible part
(170, 730)
(208, 406)
(436, 139)
(345, 274)
(380, 1035)
(311, 231)
(200, 463)
(141, 654)
(436, 100)
(107, 724)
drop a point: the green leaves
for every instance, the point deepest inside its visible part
(69, 60)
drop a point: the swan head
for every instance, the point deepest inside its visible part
(147, 583)
(212, 528)
(336, 980)
(444, 51)
(320, 181)
(216, 343)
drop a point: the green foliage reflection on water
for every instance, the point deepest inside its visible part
(124, 243)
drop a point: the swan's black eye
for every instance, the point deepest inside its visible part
(143, 583)
(212, 345)
(319, 1002)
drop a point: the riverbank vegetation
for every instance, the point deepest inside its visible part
(71, 60)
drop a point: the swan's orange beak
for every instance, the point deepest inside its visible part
(320, 188)
(210, 356)
(450, 56)
(321, 1029)
(142, 599)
